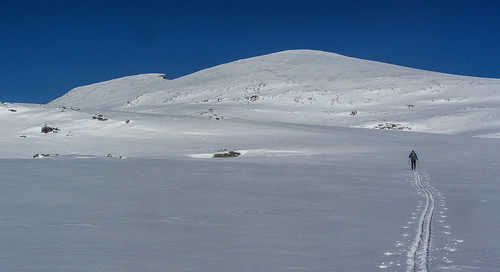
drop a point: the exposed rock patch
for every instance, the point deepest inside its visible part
(227, 154)
(46, 129)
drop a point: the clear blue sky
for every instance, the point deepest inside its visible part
(49, 47)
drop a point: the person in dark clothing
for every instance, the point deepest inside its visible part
(413, 157)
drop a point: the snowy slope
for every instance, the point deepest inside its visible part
(300, 197)
(310, 87)
(129, 182)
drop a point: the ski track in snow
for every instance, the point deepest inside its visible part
(418, 256)
(417, 252)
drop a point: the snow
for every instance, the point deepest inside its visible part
(316, 188)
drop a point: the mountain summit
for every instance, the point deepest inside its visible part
(309, 87)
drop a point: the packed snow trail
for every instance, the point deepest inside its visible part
(418, 255)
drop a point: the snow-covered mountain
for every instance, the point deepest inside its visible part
(309, 87)
(132, 175)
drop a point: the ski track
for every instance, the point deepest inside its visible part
(418, 255)
(417, 252)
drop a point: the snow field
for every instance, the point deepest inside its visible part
(335, 200)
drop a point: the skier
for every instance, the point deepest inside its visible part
(413, 157)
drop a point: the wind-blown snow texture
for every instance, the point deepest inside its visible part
(137, 189)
